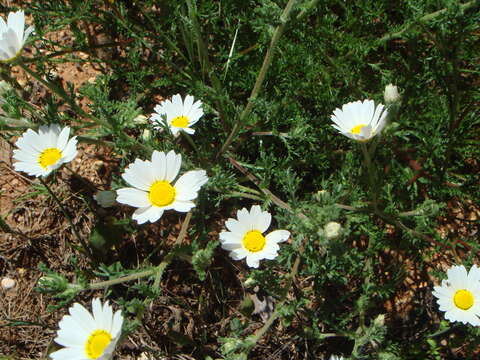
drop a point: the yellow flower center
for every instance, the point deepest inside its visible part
(96, 343)
(161, 193)
(180, 121)
(49, 157)
(254, 241)
(357, 129)
(463, 299)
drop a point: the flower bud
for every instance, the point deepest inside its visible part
(140, 119)
(105, 198)
(391, 94)
(332, 230)
(250, 282)
(146, 134)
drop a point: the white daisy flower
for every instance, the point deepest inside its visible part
(13, 35)
(360, 120)
(459, 295)
(88, 337)
(38, 154)
(152, 192)
(178, 114)
(245, 236)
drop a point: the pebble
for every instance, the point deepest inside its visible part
(7, 283)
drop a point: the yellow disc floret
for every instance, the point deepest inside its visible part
(180, 121)
(463, 299)
(49, 157)
(96, 343)
(357, 129)
(254, 241)
(161, 193)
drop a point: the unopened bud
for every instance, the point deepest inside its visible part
(320, 194)
(391, 94)
(379, 320)
(140, 119)
(105, 198)
(4, 87)
(332, 230)
(250, 282)
(146, 135)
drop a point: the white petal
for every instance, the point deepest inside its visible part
(107, 316)
(173, 161)
(139, 175)
(227, 237)
(261, 218)
(98, 313)
(27, 33)
(152, 214)
(237, 227)
(31, 169)
(117, 323)
(278, 236)
(16, 21)
(70, 151)
(68, 354)
(159, 165)
(188, 185)
(187, 104)
(252, 261)
(182, 206)
(239, 254)
(63, 138)
(244, 218)
(133, 197)
(82, 317)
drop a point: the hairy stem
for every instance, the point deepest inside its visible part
(69, 219)
(425, 19)
(58, 90)
(371, 175)
(261, 76)
(157, 271)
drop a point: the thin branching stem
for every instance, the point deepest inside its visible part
(157, 270)
(261, 76)
(424, 19)
(56, 89)
(69, 219)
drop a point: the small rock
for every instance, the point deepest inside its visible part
(7, 283)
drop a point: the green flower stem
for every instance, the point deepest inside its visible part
(275, 199)
(5, 75)
(89, 185)
(444, 331)
(425, 19)
(157, 271)
(261, 76)
(120, 280)
(371, 176)
(240, 194)
(85, 49)
(290, 278)
(190, 141)
(56, 89)
(69, 219)
(168, 259)
(307, 8)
